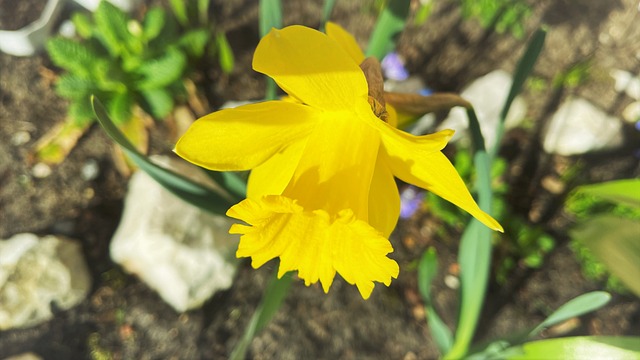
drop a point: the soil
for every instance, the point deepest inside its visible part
(124, 319)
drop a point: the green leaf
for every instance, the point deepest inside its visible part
(327, 9)
(271, 301)
(120, 107)
(84, 25)
(225, 54)
(270, 17)
(582, 347)
(581, 305)
(194, 42)
(75, 87)
(72, 56)
(626, 192)
(523, 70)
(111, 24)
(158, 102)
(389, 25)
(614, 241)
(427, 270)
(179, 8)
(153, 23)
(162, 71)
(181, 186)
(81, 112)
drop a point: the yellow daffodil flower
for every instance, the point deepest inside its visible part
(322, 195)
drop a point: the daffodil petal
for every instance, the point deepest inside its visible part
(272, 177)
(431, 170)
(245, 137)
(346, 41)
(313, 243)
(384, 200)
(337, 165)
(311, 67)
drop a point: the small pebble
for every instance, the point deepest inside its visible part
(452, 282)
(41, 170)
(20, 138)
(90, 170)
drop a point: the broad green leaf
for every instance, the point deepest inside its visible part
(271, 301)
(270, 17)
(158, 102)
(120, 107)
(582, 347)
(76, 87)
(225, 54)
(162, 71)
(194, 42)
(181, 186)
(616, 242)
(84, 25)
(581, 305)
(71, 55)
(152, 24)
(112, 27)
(427, 270)
(389, 25)
(625, 192)
(80, 112)
(179, 8)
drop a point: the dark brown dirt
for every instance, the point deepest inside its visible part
(123, 319)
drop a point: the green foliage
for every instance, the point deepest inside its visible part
(125, 62)
(501, 15)
(605, 237)
(574, 76)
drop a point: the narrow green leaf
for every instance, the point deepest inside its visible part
(327, 9)
(225, 54)
(523, 70)
(427, 270)
(272, 299)
(181, 186)
(270, 17)
(474, 255)
(236, 186)
(581, 305)
(389, 25)
(625, 192)
(582, 347)
(616, 242)
(203, 11)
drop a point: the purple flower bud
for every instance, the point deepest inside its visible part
(393, 67)
(410, 201)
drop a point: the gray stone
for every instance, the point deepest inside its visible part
(579, 127)
(182, 252)
(487, 94)
(36, 274)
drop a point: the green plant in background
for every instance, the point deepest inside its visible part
(129, 64)
(605, 237)
(501, 15)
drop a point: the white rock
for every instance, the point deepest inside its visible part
(626, 82)
(183, 253)
(578, 127)
(36, 273)
(487, 94)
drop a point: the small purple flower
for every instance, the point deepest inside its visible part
(410, 201)
(393, 67)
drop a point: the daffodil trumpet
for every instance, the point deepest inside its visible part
(321, 195)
